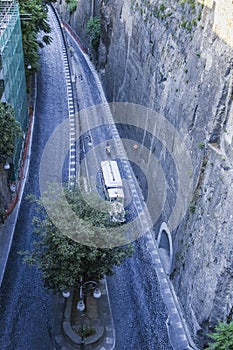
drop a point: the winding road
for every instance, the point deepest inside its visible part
(27, 308)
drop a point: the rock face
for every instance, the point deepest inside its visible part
(174, 58)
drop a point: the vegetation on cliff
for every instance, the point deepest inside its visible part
(165, 10)
(222, 337)
(9, 130)
(93, 30)
(72, 5)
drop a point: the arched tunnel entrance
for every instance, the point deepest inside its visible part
(164, 242)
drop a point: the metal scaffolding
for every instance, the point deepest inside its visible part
(12, 73)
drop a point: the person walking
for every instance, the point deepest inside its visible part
(108, 147)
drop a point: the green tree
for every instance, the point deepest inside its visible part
(93, 30)
(63, 260)
(9, 130)
(34, 20)
(222, 337)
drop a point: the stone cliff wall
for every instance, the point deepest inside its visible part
(172, 59)
(78, 19)
(175, 58)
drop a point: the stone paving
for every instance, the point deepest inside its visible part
(175, 324)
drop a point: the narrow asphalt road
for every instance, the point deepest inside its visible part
(26, 307)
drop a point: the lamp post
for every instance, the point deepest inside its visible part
(86, 286)
(81, 308)
(6, 166)
(66, 294)
(6, 160)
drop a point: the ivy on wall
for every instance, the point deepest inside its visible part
(93, 30)
(9, 130)
(72, 5)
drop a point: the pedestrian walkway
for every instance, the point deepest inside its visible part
(6, 236)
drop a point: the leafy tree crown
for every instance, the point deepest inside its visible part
(63, 260)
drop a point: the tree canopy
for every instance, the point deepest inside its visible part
(222, 337)
(9, 129)
(34, 20)
(63, 260)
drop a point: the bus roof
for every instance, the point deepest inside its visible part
(111, 174)
(115, 193)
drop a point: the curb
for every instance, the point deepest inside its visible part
(75, 339)
(74, 35)
(14, 206)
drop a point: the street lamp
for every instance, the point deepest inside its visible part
(86, 286)
(66, 294)
(97, 293)
(6, 166)
(81, 305)
(81, 308)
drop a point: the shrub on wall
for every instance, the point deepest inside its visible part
(222, 337)
(9, 130)
(72, 5)
(93, 30)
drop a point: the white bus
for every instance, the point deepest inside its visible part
(113, 189)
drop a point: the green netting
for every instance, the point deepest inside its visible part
(12, 74)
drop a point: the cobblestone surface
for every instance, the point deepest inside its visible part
(139, 312)
(26, 307)
(138, 309)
